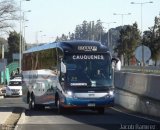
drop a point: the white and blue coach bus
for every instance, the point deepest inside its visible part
(71, 74)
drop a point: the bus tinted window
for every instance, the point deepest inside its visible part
(87, 69)
(46, 59)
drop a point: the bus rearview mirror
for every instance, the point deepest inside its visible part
(63, 67)
(116, 64)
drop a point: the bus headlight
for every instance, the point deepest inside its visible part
(111, 93)
(69, 93)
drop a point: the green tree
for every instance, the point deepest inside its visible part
(151, 38)
(114, 35)
(62, 38)
(78, 32)
(71, 36)
(13, 44)
(84, 31)
(129, 40)
(98, 31)
(89, 31)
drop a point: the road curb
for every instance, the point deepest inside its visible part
(4, 113)
(1, 97)
(20, 121)
(12, 120)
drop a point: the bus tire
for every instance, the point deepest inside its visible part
(32, 105)
(30, 102)
(101, 110)
(56, 99)
(59, 107)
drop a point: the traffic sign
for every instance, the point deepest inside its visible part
(146, 53)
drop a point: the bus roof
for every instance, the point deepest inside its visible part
(72, 46)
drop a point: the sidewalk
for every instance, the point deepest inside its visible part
(5, 113)
(9, 117)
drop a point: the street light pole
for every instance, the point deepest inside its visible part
(51, 39)
(122, 16)
(37, 42)
(20, 44)
(23, 29)
(42, 38)
(109, 45)
(92, 30)
(20, 36)
(141, 4)
(23, 39)
(24, 45)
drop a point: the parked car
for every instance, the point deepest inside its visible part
(16, 76)
(2, 91)
(14, 88)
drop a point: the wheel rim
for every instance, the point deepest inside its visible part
(58, 106)
(33, 104)
(30, 103)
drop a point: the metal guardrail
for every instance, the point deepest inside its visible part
(13, 66)
(146, 69)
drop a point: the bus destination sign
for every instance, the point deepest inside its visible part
(87, 48)
(88, 57)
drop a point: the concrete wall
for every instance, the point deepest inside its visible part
(138, 92)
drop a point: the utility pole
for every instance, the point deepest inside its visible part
(141, 4)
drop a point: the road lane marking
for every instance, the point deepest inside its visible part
(136, 115)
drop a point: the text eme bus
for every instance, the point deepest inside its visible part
(71, 74)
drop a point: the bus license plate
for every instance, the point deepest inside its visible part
(91, 105)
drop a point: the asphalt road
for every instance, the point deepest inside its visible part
(12, 102)
(114, 119)
(84, 120)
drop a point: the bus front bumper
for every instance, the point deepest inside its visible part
(87, 103)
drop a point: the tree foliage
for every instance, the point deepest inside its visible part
(62, 38)
(86, 31)
(123, 40)
(151, 38)
(8, 11)
(3, 41)
(128, 41)
(13, 44)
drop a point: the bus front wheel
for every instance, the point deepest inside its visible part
(33, 105)
(31, 102)
(59, 107)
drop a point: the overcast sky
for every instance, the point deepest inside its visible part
(55, 17)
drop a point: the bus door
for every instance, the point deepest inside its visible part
(45, 92)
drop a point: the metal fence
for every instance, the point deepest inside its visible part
(146, 69)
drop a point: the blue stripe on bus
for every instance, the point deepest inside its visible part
(82, 102)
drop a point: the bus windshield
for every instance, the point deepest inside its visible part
(88, 70)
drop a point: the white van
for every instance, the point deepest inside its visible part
(14, 88)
